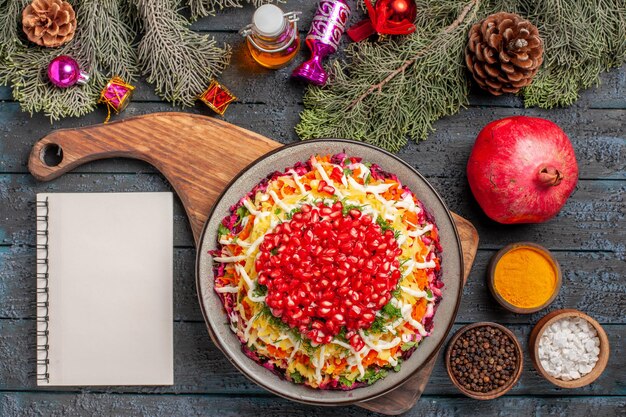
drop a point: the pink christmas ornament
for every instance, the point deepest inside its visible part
(63, 71)
(329, 23)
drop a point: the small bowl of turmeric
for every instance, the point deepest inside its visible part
(524, 277)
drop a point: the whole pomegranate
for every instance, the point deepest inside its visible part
(522, 169)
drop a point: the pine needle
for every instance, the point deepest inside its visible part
(583, 39)
(102, 45)
(383, 93)
(395, 89)
(201, 8)
(389, 91)
(179, 61)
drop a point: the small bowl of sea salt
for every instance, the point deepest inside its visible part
(569, 348)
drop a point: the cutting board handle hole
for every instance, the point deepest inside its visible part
(51, 155)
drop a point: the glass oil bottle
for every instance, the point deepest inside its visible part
(272, 37)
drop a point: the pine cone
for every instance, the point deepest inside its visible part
(49, 23)
(504, 53)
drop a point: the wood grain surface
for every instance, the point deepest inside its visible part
(199, 156)
(588, 239)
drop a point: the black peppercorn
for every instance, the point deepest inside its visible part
(483, 359)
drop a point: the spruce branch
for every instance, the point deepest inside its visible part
(389, 91)
(10, 15)
(178, 61)
(202, 8)
(582, 40)
(386, 92)
(378, 87)
(102, 44)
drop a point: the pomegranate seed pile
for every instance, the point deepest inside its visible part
(325, 270)
(329, 272)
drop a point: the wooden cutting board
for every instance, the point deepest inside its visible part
(199, 155)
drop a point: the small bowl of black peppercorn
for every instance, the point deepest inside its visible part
(484, 360)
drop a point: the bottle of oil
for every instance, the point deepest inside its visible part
(272, 37)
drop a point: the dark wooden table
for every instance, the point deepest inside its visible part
(588, 237)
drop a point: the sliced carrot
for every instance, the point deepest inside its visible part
(243, 235)
(409, 216)
(421, 278)
(276, 351)
(369, 358)
(394, 350)
(434, 234)
(302, 358)
(246, 308)
(235, 249)
(340, 366)
(381, 362)
(419, 310)
(288, 190)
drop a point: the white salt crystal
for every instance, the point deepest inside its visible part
(569, 348)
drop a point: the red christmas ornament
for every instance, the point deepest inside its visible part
(217, 97)
(387, 17)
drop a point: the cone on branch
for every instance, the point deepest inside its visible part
(504, 53)
(49, 23)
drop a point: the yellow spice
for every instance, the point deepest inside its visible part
(525, 277)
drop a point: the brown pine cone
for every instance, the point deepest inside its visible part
(49, 23)
(504, 53)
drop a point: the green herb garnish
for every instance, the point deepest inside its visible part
(273, 320)
(407, 346)
(296, 377)
(345, 381)
(378, 325)
(260, 291)
(222, 230)
(391, 311)
(277, 211)
(368, 179)
(384, 224)
(241, 212)
(372, 375)
(347, 207)
(342, 335)
(289, 215)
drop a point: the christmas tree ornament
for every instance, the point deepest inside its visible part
(504, 53)
(387, 17)
(116, 95)
(329, 23)
(217, 97)
(272, 37)
(63, 71)
(49, 23)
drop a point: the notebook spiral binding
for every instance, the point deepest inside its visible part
(42, 295)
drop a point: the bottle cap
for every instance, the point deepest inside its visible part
(268, 20)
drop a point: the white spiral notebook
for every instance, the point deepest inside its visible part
(104, 289)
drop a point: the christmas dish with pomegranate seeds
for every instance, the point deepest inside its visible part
(329, 272)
